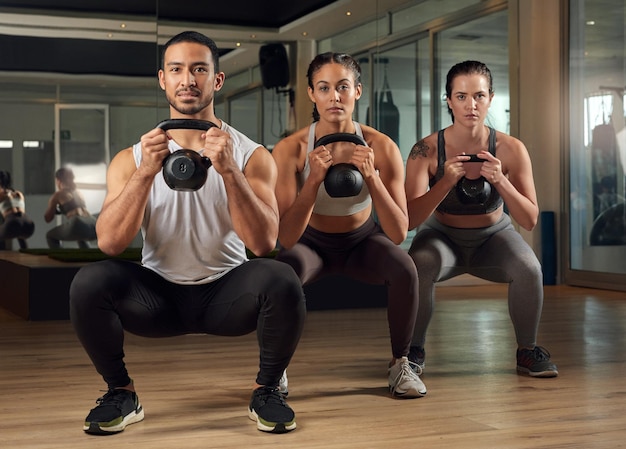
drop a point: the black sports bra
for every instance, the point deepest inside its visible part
(70, 205)
(453, 204)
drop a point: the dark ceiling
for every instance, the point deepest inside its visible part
(88, 56)
(248, 13)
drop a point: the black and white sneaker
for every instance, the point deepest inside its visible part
(270, 411)
(536, 362)
(115, 410)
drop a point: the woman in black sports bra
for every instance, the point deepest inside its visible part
(457, 182)
(78, 225)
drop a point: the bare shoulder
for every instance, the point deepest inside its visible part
(507, 145)
(424, 148)
(377, 140)
(123, 164)
(124, 157)
(261, 155)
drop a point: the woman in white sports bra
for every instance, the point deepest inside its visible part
(321, 235)
(14, 223)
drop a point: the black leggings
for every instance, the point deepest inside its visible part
(113, 296)
(367, 255)
(16, 226)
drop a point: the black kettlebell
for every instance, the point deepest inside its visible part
(473, 191)
(342, 180)
(185, 170)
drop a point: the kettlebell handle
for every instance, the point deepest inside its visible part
(474, 158)
(340, 137)
(184, 123)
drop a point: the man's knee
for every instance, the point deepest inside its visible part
(92, 281)
(283, 275)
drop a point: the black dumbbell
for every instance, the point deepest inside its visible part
(473, 191)
(342, 180)
(185, 169)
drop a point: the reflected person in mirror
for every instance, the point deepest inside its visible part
(78, 224)
(14, 223)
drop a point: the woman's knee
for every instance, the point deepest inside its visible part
(426, 258)
(525, 267)
(399, 265)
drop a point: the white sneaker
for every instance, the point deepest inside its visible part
(404, 382)
(283, 384)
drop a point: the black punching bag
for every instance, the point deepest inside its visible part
(274, 65)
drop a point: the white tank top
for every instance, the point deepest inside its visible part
(188, 237)
(324, 203)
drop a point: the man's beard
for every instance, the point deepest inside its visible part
(188, 109)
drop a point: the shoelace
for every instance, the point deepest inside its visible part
(405, 370)
(111, 397)
(271, 395)
(541, 353)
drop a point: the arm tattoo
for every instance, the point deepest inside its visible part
(419, 149)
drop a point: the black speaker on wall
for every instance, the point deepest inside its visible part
(274, 65)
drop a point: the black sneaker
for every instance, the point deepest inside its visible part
(536, 362)
(416, 359)
(270, 411)
(115, 410)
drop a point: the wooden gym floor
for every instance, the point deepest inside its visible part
(195, 388)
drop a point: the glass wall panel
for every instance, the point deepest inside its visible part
(82, 144)
(244, 114)
(597, 136)
(424, 100)
(278, 116)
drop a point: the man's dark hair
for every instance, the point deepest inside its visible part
(198, 38)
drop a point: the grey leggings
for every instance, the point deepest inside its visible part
(367, 255)
(76, 228)
(113, 296)
(496, 253)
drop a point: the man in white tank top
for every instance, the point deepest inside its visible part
(195, 276)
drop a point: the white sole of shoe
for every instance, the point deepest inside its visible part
(270, 427)
(131, 418)
(409, 394)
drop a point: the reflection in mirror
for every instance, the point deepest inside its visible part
(67, 62)
(598, 136)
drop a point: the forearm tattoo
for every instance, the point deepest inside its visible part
(419, 149)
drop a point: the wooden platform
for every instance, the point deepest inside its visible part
(195, 388)
(35, 287)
